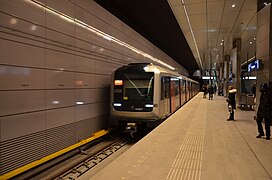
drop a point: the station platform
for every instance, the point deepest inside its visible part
(197, 142)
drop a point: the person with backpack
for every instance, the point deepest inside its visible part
(264, 111)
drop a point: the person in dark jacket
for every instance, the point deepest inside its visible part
(211, 92)
(205, 90)
(264, 111)
(231, 102)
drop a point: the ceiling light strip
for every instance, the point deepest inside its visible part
(191, 29)
(97, 31)
(221, 22)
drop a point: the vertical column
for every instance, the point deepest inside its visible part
(236, 65)
(226, 74)
(221, 71)
(264, 47)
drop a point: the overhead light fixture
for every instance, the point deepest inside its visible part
(96, 31)
(250, 42)
(233, 5)
(211, 30)
(191, 29)
(221, 43)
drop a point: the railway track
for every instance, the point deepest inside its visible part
(79, 161)
(76, 169)
(75, 163)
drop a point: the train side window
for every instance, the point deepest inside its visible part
(162, 88)
(176, 87)
(165, 88)
(183, 86)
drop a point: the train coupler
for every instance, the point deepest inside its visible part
(131, 128)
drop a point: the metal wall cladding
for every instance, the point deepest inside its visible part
(18, 78)
(58, 79)
(22, 150)
(55, 74)
(22, 124)
(14, 102)
(21, 54)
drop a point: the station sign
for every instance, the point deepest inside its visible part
(254, 65)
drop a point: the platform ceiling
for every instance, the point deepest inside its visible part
(189, 31)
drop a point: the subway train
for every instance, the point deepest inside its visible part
(146, 94)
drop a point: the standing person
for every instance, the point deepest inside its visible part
(204, 88)
(232, 102)
(264, 111)
(211, 92)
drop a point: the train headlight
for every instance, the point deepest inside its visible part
(117, 104)
(118, 82)
(149, 105)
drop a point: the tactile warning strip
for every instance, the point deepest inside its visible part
(188, 162)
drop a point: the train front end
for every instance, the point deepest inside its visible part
(132, 96)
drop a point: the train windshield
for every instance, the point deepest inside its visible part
(138, 87)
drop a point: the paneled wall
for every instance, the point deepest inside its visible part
(263, 48)
(55, 74)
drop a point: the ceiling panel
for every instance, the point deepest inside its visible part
(246, 16)
(222, 21)
(215, 7)
(194, 2)
(229, 17)
(214, 18)
(198, 22)
(196, 9)
(200, 36)
(175, 2)
(250, 5)
(213, 27)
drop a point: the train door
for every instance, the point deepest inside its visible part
(187, 91)
(182, 92)
(174, 92)
(190, 89)
(165, 96)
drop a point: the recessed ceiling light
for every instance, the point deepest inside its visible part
(250, 42)
(233, 5)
